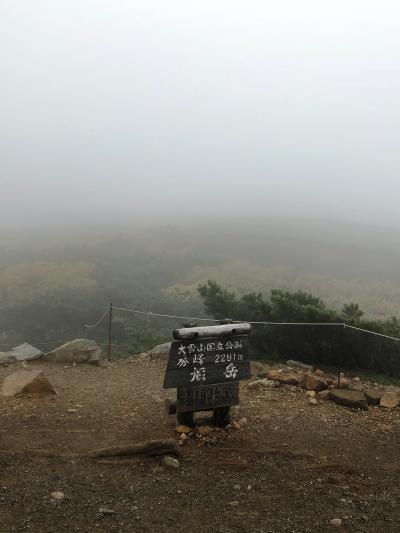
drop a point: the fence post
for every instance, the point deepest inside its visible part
(341, 356)
(110, 332)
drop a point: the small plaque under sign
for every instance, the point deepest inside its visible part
(205, 397)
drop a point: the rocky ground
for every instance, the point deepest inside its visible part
(292, 466)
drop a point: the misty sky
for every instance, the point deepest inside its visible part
(113, 110)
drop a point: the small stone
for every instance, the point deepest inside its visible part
(57, 495)
(319, 373)
(183, 429)
(104, 510)
(72, 410)
(311, 393)
(204, 430)
(336, 522)
(356, 378)
(261, 384)
(243, 422)
(183, 437)
(236, 487)
(170, 462)
(324, 395)
(235, 425)
(233, 504)
(312, 401)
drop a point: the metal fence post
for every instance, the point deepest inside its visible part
(110, 331)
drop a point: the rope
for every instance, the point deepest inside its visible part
(98, 322)
(150, 314)
(373, 333)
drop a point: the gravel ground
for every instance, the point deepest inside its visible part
(293, 468)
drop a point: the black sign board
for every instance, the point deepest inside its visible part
(207, 397)
(207, 361)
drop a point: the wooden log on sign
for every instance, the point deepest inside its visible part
(212, 331)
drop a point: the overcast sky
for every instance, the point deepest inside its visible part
(112, 110)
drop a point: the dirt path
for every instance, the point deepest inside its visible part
(292, 469)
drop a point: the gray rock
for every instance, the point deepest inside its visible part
(25, 352)
(299, 364)
(160, 352)
(77, 351)
(350, 398)
(390, 399)
(262, 384)
(314, 382)
(27, 382)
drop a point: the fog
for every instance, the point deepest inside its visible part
(182, 110)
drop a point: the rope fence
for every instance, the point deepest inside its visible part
(108, 313)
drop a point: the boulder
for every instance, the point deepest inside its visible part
(374, 396)
(77, 351)
(27, 382)
(390, 399)
(299, 364)
(160, 352)
(350, 398)
(313, 382)
(25, 352)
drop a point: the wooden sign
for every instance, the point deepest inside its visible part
(206, 397)
(207, 361)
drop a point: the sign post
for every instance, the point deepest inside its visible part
(205, 365)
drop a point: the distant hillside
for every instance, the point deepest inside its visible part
(53, 281)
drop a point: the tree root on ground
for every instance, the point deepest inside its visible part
(145, 448)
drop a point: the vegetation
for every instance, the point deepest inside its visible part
(321, 345)
(54, 282)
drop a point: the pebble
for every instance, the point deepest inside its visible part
(57, 495)
(170, 462)
(243, 422)
(312, 401)
(104, 510)
(183, 429)
(336, 522)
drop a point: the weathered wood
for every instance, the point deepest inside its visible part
(146, 448)
(207, 361)
(212, 331)
(207, 397)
